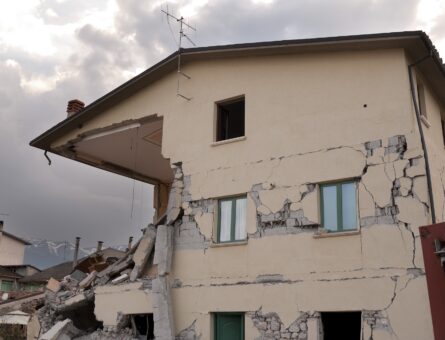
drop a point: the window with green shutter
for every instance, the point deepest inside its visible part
(229, 326)
(6, 285)
(232, 219)
(339, 206)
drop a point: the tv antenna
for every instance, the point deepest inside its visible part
(182, 35)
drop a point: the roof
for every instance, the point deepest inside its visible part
(26, 243)
(20, 266)
(58, 272)
(417, 43)
(4, 272)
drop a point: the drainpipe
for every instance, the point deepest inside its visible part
(422, 137)
(76, 252)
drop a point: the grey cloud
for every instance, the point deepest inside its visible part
(66, 11)
(70, 199)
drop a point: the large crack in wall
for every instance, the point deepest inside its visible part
(393, 179)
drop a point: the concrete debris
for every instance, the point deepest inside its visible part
(78, 275)
(69, 306)
(62, 330)
(162, 311)
(164, 249)
(86, 282)
(143, 252)
(120, 279)
(53, 285)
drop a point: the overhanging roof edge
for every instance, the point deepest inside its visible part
(43, 141)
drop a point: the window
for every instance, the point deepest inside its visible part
(421, 99)
(338, 206)
(230, 119)
(232, 219)
(341, 325)
(6, 285)
(229, 326)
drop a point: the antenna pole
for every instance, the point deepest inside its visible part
(181, 35)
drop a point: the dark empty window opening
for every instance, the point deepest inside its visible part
(230, 119)
(143, 325)
(341, 325)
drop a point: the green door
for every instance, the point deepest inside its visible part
(229, 326)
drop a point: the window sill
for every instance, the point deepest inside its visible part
(228, 244)
(336, 233)
(227, 141)
(425, 121)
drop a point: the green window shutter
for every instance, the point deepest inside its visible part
(6, 285)
(229, 326)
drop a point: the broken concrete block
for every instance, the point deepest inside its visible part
(78, 275)
(174, 205)
(119, 279)
(53, 285)
(86, 282)
(62, 330)
(75, 302)
(162, 309)
(143, 252)
(164, 249)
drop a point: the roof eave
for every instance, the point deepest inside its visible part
(168, 64)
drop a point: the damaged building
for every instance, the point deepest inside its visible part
(291, 179)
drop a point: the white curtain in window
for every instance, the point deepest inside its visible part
(226, 218)
(240, 222)
(349, 206)
(330, 207)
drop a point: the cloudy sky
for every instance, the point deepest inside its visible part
(55, 50)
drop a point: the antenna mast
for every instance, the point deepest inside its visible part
(181, 36)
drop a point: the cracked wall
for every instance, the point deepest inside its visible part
(357, 123)
(384, 254)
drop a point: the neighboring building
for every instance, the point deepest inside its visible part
(23, 269)
(8, 280)
(12, 248)
(58, 272)
(301, 179)
(39, 280)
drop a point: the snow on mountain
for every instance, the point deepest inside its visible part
(46, 253)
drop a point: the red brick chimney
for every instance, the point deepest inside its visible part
(74, 106)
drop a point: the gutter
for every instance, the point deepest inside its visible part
(422, 137)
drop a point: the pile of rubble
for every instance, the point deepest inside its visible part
(69, 304)
(69, 310)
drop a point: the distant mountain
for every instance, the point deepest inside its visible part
(44, 253)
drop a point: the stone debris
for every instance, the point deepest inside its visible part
(86, 282)
(62, 330)
(53, 285)
(143, 252)
(120, 279)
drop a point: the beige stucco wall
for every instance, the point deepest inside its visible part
(435, 111)
(130, 298)
(12, 252)
(306, 122)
